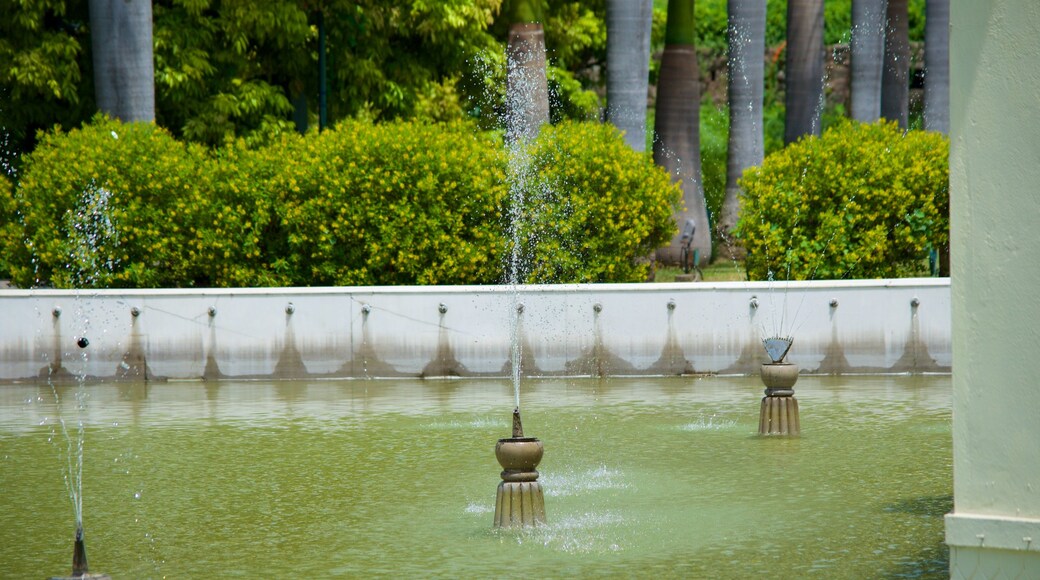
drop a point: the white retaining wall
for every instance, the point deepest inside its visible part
(869, 326)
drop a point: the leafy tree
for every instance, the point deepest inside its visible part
(45, 69)
(226, 68)
(230, 68)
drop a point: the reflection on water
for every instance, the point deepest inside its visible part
(395, 478)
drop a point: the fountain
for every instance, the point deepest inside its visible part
(181, 338)
(778, 414)
(90, 226)
(520, 502)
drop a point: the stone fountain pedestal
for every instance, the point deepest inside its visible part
(779, 411)
(520, 502)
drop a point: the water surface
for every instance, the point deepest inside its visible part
(397, 478)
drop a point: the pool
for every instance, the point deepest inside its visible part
(642, 476)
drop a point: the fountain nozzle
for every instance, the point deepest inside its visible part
(79, 555)
(518, 428)
(79, 561)
(777, 347)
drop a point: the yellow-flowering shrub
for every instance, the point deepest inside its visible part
(396, 203)
(10, 228)
(109, 205)
(126, 205)
(861, 201)
(592, 208)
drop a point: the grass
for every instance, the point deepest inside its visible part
(719, 271)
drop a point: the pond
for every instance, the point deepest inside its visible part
(642, 476)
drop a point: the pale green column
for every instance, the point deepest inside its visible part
(994, 530)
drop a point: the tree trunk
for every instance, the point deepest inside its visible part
(937, 83)
(895, 79)
(628, 67)
(677, 128)
(124, 68)
(868, 54)
(746, 36)
(804, 74)
(527, 89)
(937, 66)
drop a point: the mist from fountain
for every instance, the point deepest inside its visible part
(525, 86)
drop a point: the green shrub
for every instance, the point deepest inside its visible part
(10, 228)
(593, 208)
(243, 242)
(404, 203)
(398, 203)
(861, 201)
(109, 205)
(114, 205)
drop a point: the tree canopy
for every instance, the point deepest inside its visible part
(239, 68)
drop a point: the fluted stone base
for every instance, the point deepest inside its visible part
(779, 416)
(519, 504)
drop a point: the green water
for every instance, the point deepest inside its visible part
(397, 478)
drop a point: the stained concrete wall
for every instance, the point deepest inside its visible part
(875, 326)
(994, 530)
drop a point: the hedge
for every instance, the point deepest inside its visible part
(127, 205)
(861, 201)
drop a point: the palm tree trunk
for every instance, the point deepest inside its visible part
(937, 83)
(937, 66)
(628, 67)
(868, 54)
(677, 127)
(527, 90)
(746, 36)
(124, 68)
(804, 74)
(895, 79)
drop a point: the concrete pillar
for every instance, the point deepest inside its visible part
(994, 529)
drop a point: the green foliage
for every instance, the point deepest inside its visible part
(837, 18)
(398, 203)
(9, 226)
(861, 201)
(228, 69)
(126, 205)
(592, 207)
(714, 152)
(44, 67)
(109, 205)
(576, 48)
